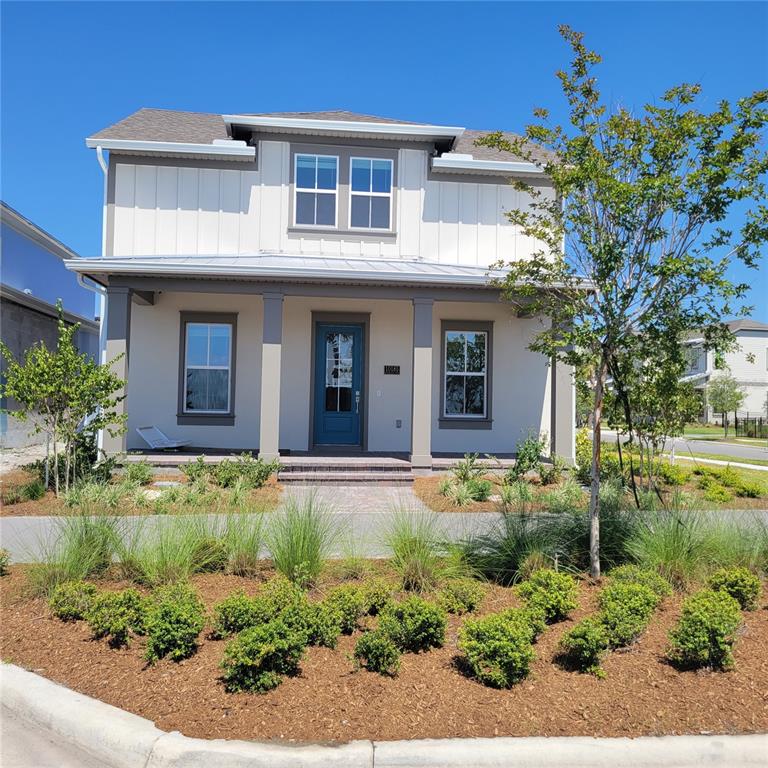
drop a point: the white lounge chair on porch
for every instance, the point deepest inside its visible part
(158, 441)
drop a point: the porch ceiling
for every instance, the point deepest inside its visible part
(270, 266)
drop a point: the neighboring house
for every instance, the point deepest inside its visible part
(32, 280)
(295, 281)
(747, 363)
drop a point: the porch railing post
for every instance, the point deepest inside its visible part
(271, 361)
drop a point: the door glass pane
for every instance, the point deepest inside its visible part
(331, 399)
(339, 363)
(345, 399)
(454, 395)
(475, 395)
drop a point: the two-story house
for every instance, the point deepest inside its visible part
(300, 281)
(747, 362)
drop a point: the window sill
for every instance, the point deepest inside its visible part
(387, 234)
(205, 419)
(445, 423)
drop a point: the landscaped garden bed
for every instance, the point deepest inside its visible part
(245, 628)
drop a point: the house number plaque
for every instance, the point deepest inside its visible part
(391, 370)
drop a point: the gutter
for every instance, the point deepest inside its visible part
(458, 163)
(219, 148)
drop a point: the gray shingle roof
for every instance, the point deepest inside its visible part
(746, 324)
(202, 128)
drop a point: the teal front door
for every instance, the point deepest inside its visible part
(338, 396)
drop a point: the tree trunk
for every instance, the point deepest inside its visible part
(56, 458)
(594, 496)
(725, 423)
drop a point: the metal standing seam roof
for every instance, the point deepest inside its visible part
(301, 268)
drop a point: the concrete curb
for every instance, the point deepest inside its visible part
(119, 739)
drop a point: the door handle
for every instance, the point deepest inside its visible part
(357, 402)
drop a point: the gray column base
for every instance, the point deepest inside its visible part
(268, 456)
(421, 461)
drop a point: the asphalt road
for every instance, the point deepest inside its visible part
(685, 445)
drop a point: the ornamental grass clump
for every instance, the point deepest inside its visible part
(739, 583)
(70, 601)
(259, 658)
(706, 631)
(552, 592)
(460, 595)
(377, 652)
(115, 615)
(416, 542)
(498, 649)
(243, 539)
(414, 625)
(175, 617)
(300, 538)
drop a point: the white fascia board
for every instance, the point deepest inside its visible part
(448, 163)
(346, 126)
(157, 267)
(230, 149)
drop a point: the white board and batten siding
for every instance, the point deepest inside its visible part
(168, 210)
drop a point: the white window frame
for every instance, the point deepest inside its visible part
(227, 367)
(465, 373)
(371, 193)
(297, 189)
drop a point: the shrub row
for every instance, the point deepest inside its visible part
(626, 606)
(249, 472)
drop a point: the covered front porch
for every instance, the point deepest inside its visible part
(352, 367)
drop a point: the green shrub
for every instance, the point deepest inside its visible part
(235, 613)
(259, 657)
(550, 474)
(115, 615)
(460, 494)
(585, 644)
(414, 624)
(348, 603)
(469, 468)
(750, 490)
(377, 594)
(739, 583)
(625, 610)
(323, 625)
(553, 592)
(498, 649)
(252, 473)
(528, 454)
(196, 471)
(518, 496)
(70, 601)
(33, 490)
(461, 595)
(444, 486)
(717, 493)
(175, 618)
(563, 499)
(705, 634)
(139, 472)
(5, 561)
(300, 537)
(10, 495)
(377, 652)
(479, 489)
(673, 474)
(633, 574)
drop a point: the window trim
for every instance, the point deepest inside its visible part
(371, 193)
(316, 191)
(467, 421)
(198, 418)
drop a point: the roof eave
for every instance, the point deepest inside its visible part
(471, 165)
(233, 149)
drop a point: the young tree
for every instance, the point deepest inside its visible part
(56, 390)
(725, 394)
(631, 245)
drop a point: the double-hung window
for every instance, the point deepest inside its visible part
(207, 368)
(370, 186)
(465, 390)
(316, 181)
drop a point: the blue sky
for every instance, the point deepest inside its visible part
(69, 69)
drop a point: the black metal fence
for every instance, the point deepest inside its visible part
(746, 425)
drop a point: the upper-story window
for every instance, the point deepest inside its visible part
(370, 192)
(317, 179)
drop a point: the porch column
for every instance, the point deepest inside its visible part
(421, 413)
(563, 439)
(271, 352)
(118, 342)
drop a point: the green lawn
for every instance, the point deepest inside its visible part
(721, 457)
(704, 429)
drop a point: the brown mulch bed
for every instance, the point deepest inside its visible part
(266, 498)
(330, 701)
